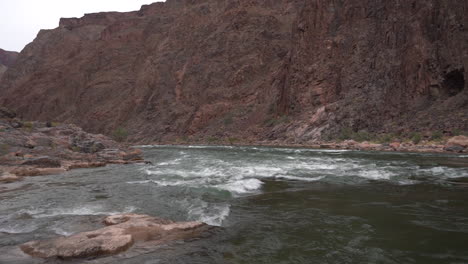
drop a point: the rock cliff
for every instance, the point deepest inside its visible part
(287, 70)
(7, 59)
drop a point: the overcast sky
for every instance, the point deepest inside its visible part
(21, 20)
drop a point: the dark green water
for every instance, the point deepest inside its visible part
(270, 205)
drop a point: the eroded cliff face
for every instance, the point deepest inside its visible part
(7, 59)
(289, 70)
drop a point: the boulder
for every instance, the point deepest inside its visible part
(457, 149)
(133, 155)
(7, 177)
(350, 142)
(366, 145)
(121, 232)
(460, 141)
(395, 145)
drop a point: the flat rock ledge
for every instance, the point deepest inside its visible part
(121, 233)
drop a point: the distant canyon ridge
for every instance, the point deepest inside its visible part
(7, 58)
(256, 70)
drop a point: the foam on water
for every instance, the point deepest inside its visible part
(242, 171)
(375, 174)
(242, 186)
(294, 178)
(81, 210)
(210, 214)
(61, 231)
(16, 228)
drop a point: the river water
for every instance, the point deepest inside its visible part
(269, 205)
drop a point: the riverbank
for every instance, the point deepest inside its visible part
(449, 145)
(45, 148)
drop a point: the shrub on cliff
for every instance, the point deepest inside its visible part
(120, 134)
(416, 137)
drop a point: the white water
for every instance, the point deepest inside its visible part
(243, 174)
(242, 170)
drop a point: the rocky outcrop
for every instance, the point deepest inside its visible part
(42, 148)
(122, 232)
(7, 59)
(294, 71)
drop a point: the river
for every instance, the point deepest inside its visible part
(269, 205)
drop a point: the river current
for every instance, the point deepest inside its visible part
(268, 205)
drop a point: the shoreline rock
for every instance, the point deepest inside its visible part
(45, 148)
(121, 233)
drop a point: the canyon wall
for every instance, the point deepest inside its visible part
(7, 59)
(287, 70)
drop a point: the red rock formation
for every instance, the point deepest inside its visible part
(291, 70)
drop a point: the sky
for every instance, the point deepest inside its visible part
(21, 20)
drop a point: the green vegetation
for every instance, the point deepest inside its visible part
(360, 136)
(232, 140)
(120, 134)
(386, 138)
(182, 140)
(416, 137)
(276, 121)
(28, 126)
(4, 149)
(212, 139)
(75, 149)
(458, 132)
(345, 134)
(437, 135)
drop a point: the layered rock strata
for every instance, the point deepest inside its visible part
(295, 71)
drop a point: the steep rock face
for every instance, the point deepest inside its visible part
(7, 59)
(378, 65)
(290, 70)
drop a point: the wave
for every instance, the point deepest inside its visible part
(18, 228)
(81, 210)
(212, 214)
(241, 186)
(294, 178)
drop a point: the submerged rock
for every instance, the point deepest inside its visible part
(121, 232)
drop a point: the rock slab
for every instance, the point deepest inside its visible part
(121, 232)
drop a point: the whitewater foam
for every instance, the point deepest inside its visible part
(241, 186)
(17, 228)
(209, 213)
(82, 210)
(294, 178)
